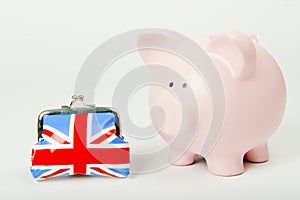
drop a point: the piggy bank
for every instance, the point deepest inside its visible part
(255, 99)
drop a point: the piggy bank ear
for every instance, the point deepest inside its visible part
(237, 49)
(149, 44)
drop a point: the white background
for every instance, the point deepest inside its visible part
(44, 43)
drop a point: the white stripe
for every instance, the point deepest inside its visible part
(108, 146)
(105, 144)
(71, 128)
(57, 132)
(52, 146)
(110, 165)
(53, 168)
(89, 127)
(100, 133)
(105, 168)
(111, 138)
(90, 171)
(51, 140)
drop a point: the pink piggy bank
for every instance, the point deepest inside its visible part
(255, 98)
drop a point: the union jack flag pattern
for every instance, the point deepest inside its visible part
(85, 144)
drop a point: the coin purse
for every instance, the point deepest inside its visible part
(82, 140)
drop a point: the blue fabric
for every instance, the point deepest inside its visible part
(59, 122)
(117, 141)
(123, 171)
(102, 121)
(38, 172)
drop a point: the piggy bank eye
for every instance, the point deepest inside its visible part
(171, 84)
(184, 85)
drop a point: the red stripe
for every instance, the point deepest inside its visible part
(80, 152)
(102, 171)
(104, 137)
(54, 137)
(55, 173)
(90, 156)
(100, 139)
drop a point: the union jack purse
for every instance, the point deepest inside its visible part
(79, 140)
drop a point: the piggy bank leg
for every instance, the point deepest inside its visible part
(225, 164)
(258, 154)
(177, 158)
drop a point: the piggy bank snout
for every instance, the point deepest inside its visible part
(168, 115)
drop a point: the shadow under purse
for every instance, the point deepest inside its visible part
(82, 140)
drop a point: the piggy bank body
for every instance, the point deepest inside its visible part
(255, 98)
